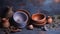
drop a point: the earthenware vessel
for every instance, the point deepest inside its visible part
(40, 19)
(5, 23)
(21, 17)
(49, 20)
(31, 27)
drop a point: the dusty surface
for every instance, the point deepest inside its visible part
(35, 31)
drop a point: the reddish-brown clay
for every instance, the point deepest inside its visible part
(5, 22)
(40, 19)
(49, 20)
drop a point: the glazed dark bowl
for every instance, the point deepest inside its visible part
(21, 17)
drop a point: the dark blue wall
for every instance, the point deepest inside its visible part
(33, 6)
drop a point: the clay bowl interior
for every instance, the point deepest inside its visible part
(21, 18)
(37, 17)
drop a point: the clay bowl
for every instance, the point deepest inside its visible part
(40, 19)
(21, 17)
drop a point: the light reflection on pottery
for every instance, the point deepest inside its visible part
(21, 18)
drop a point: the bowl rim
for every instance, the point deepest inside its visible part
(24, 12)
(36, 14)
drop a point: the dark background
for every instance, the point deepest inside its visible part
(47, 7)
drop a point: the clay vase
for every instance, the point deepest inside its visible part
(40, 19)
(21, 17)
(49, 20)
(9, 12)
(5, 23)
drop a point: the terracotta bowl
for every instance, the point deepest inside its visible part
(40, 19)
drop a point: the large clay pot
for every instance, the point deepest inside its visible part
(21, 17)
(40, 19)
